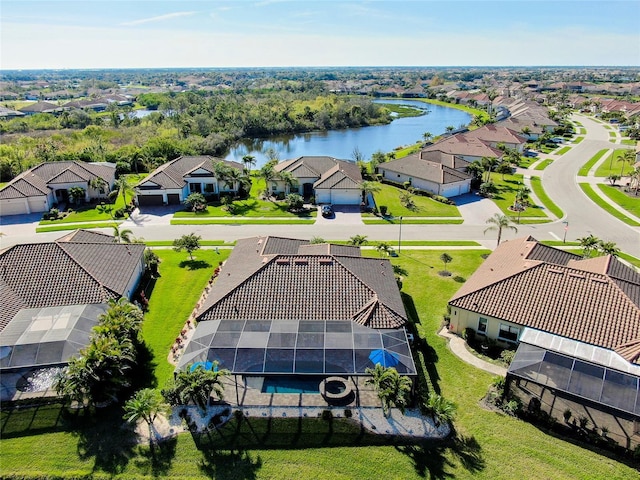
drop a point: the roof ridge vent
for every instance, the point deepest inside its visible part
(283, 261)
(577, 275)
(553, 270)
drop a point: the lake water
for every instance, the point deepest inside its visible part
(341, 143)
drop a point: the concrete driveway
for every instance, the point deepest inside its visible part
(475, 209)
(344, 215)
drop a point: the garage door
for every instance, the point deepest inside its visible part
(345, 197)
(174, 199)
(38, 204)
(13, 207)
(150, 200)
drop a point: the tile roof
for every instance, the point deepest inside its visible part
(171, 174)
(497, 134)
(87, 236)
(595, 301)
(330, 249)
(417, 167)
(332, 173)
(312, 284)
(35, 181)
(466, 146)
(66, 272)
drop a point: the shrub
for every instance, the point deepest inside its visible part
(507, 356)
(383, 210)
(348, 413)
(469, 334)
(294, 202)
(120, 213)
(567, 415)
(512, 407)
(327, 415)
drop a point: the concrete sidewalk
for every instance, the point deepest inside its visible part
(459, 347)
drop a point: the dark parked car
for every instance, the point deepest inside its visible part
(327, 211)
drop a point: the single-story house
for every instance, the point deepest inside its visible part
(43, 186)
(328, 179)
(432, 171)
(496, 135)
(10, 113)
(40, 107)
(529, 125)
(172, 182)
(284, 309)
(467, 148)
(52, 294)
(575, 323)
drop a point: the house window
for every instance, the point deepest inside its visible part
(195, 188)
(482, 326)
(274, 187)
(208, 188)
(508, 333)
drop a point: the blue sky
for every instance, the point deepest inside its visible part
(245, 33)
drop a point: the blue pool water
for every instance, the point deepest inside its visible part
(291, 385)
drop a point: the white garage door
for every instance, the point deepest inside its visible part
(345, 197)
(13, 207)
(38, 204)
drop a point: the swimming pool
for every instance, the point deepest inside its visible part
(284, 384)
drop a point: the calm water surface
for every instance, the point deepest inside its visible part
(341, 143)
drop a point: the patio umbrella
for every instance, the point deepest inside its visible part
(205, 365)
(384, 358)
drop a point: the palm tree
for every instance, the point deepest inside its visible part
(122, 187)
(122, 236)
(629, 157)
(588, 244)
(196, 386)
(475, 169)
(500, 222)
(489, 163)
(393, 389)
(608, 248)
(267, 173)
(450, 128)
(441, 409)
(248, 161)
(369, 188)
(358, 240)
(526, 131)
(99, 184)
(427, 136)
(146, 404)
(635, 180)
(289, 180)
(383, 248)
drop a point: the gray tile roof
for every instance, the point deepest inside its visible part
(331, 172)
(35, 181)
(330, 249)
(171, 174)
(64, 273)
(305, 285)
(87, 236)
(571, 297)
(416, 167)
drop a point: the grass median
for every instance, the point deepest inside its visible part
(595, 198)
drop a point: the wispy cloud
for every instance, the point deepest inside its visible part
(159, 18)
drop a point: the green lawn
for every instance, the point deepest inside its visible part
(243, 221)
(403, 152)
(628, 141)
(584, 170)
(72, 226)
(578, 140)
(613, 165)
(590, 192)
(251, 207)
(169, 307)
(563, 150)
(613, 134)
(507, 188)
(425, 207)
(536, 186)
(630, 204)
(543, 164)
(87, 213)
(48, 443)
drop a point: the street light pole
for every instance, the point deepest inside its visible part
(400, 236)
(566, 227)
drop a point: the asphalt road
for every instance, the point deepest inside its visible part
(558, 179)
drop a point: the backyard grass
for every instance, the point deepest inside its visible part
(404, 151)
(507, 186)
(591, 193)
(536, 186)
(425, 207)
(48, 443)
(563, 150)
(472, 111)
(613, 165)
(584, 170)
(543, 164)
(169, 307)
(630, 203)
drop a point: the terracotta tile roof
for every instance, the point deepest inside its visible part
(574, 298)
(313, 286)
(445, 159)
(461, 145)
(496, 134)
(64, 273)
(171, 174)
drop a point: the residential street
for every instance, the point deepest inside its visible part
(559, 181)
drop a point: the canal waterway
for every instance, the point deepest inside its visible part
(342, 143)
